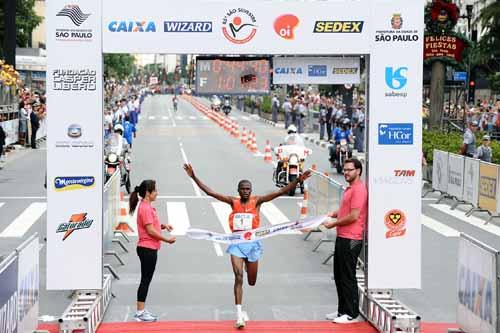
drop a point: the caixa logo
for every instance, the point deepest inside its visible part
(132, 26)
(395, 134)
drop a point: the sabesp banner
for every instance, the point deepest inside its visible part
(319, 70)
(232, 27)
(74, 146)
(395, 145)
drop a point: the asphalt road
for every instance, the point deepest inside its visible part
(193, 280)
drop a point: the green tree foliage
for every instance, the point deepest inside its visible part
(26, 22)
(451, 142)
(495, 82)
(119, 66)
(489, 45)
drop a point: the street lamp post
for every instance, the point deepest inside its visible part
(469, 7)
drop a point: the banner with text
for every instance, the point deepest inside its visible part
(395, 188)
(488, 184)
(471, 181)
(440, 171)
(456, 175)
(75, 145)
(477, 287)
(321, 70)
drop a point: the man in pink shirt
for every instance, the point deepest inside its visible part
(350, 223)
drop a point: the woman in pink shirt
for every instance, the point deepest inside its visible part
(150, 238)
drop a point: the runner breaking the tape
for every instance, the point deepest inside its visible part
(244, 216)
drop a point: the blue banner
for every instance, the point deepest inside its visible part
(8, 297)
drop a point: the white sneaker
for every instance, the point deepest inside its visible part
(332, 316)
(144, 317)
(245, 316)
(240, 323)
(346, 319)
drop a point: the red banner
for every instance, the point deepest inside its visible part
(443, 46)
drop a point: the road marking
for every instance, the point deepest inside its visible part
(179, 118)
(151, 117)
(205, 118)
(1, 204)
(24, 221)
(192, 117)
(245, 118)
(477, 222)
(222, 210)
(178, 217)
(172, 117)
(164, 117)
(274, 215)
(196, 188)
(439, 227)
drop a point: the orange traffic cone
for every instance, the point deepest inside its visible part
(236, 131)
(124, 218)
(250, 141)
(254, 144)
(303, 207)
(243, 140)
(268, 156)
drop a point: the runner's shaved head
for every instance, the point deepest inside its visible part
(244, 181)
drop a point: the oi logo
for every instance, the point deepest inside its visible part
(396, 79)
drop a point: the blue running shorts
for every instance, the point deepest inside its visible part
(250, 250)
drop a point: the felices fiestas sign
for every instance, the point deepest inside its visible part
(443, 46)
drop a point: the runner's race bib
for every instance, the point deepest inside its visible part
(242, 221)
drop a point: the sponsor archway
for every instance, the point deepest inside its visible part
(388, 32)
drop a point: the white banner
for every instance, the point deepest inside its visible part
(455, 185)
(74, 77)
(256, 234)
(309, 70)
(11, 129)
(471, 181)
(477, 288)
(235, 27)
(440, 171)
(28, 285)
(394, 227)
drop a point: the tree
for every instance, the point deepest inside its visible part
(26, 22)
(119, 65)
(488, 47)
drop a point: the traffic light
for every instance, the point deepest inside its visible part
(472, 91)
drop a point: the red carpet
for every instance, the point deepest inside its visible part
(252, 326)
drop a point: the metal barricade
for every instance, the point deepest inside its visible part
(111, 209)
(324, 195)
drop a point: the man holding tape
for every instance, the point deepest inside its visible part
(350, 223)
(244, 217)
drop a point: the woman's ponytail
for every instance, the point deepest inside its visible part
(146, 186)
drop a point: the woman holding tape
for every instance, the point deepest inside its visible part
(245, 215)
(150, 238)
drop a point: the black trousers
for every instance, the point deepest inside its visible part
(33, 136)
(148, 259)
(344, 272)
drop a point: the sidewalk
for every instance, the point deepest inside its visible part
(17, 151)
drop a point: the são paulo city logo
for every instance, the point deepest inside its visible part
(73, 183)
(397, 32)
(74, 33)
(239, 25)
(76, 222)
